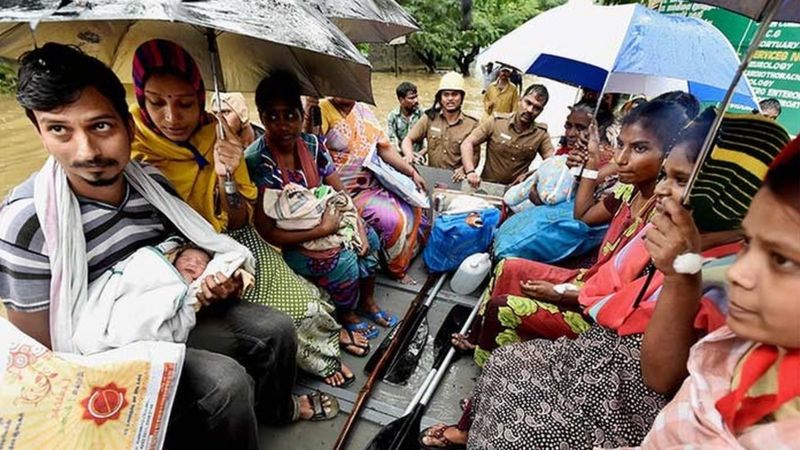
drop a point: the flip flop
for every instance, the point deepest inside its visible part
(379, 315)
(347, 380)
(345, 345)
(439, 436)
(366, 330)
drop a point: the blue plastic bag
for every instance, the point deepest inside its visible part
(546, 233)
(456, 236)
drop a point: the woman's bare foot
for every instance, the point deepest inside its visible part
(353, 342)
(461, 342)
(407, 280)
(368, 304)
(441, 435)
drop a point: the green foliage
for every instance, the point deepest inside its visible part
(363, 47)
(447, 36)
(8, 78)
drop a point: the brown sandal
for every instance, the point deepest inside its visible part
(316, 400)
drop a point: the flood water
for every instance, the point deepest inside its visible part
(22, 153)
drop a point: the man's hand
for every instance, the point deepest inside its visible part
(673, 233)
(458, 175)
(228, 151)
(409, 158)
(474, 180)
(217, 287)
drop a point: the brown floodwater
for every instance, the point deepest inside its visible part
(22, 152)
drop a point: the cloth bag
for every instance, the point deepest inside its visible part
(454, 237)
(391, 179)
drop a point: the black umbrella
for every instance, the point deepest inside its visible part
(369, 20)
(261, 36)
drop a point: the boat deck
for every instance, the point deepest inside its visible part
(388, 401)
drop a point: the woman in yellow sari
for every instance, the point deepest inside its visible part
(176, 135)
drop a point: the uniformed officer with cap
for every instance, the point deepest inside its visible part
(513, 140)
(444, 126)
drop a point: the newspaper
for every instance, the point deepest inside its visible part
(116, 400)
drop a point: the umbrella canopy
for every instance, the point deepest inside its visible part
(788, 11)
(628, 48)
(368, 20)
(263, 35)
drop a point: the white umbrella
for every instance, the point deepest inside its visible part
(626, 48)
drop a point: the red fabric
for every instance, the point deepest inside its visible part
(306, 165)
(610, 296)
(788, 152)
(738, 409)
(517, 270)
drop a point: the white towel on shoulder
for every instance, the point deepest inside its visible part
(59, 212)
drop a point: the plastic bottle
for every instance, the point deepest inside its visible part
(471, 273)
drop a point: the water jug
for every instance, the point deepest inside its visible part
(471, 273)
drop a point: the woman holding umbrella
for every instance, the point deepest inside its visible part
(175, 134)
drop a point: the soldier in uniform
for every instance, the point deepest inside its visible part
(513, 140)
(444, 126)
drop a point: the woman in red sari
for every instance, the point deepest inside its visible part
(527, 299)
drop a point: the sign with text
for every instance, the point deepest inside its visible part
(774, 71)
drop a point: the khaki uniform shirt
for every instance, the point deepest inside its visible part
(509, 153)
(444, 139)
(505, 100)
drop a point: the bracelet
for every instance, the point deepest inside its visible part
(471, 171)
(688, 264)
(589, 174)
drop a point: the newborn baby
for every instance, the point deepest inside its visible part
(191, 262)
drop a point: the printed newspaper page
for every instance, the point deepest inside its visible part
(116, 400)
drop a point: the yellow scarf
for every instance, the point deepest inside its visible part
(198, 187)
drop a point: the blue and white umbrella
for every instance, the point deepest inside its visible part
(627, 48)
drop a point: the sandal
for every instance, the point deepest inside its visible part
(366, 330)
(347, 380)
(381, 315)
(438, 434)
(315, 399)
(361, 351)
